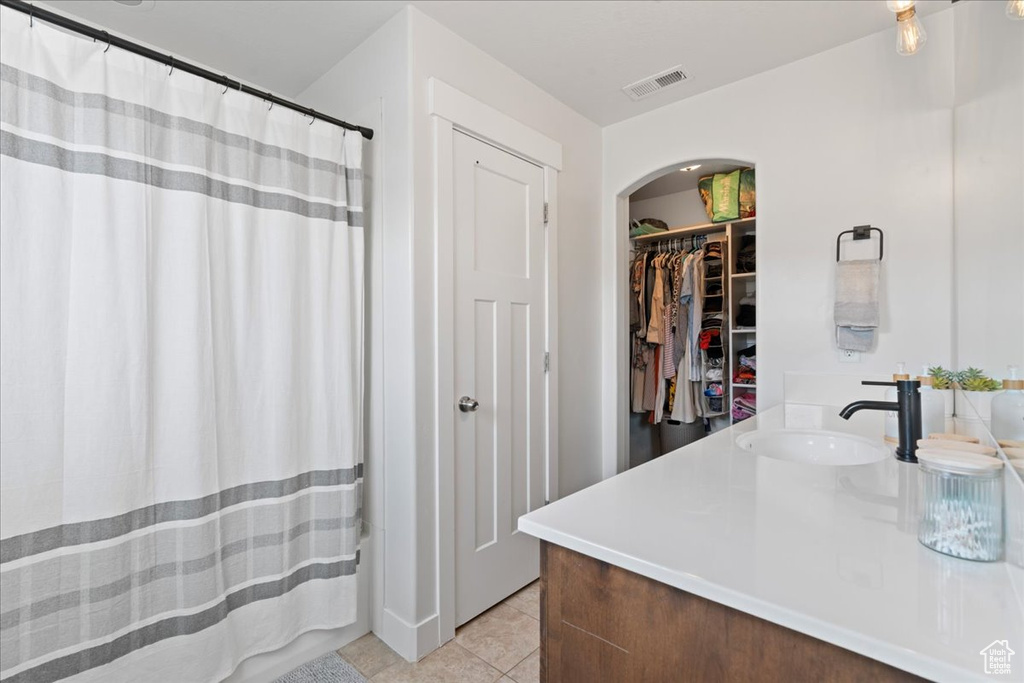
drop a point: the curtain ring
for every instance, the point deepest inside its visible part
(32, 17)
(171, 70)
(312, 117)
(108, 42)
(227, 84)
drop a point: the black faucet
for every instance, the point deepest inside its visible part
(907, 405)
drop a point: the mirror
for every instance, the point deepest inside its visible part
(988, 186)
(988, 233)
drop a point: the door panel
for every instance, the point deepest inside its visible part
(519, 402)
(502, 241)
(484, 428)
(500, 448)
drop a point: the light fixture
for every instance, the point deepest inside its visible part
(899, 5)
(1015, 9)
(910, 35)
(690, 168)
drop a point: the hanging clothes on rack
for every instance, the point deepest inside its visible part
(667, 292)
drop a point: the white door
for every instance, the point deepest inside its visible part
(500, 427)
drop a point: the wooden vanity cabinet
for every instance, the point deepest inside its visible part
(602, 623)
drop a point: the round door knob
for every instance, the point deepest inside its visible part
(468, 405)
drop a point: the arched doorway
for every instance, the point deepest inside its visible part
(688, 374)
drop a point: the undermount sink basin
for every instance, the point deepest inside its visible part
(813, 447)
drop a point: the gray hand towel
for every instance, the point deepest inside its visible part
(856, 305)
(855, 338)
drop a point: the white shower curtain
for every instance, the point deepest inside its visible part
(180, 368)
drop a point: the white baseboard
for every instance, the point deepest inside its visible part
(411, 641)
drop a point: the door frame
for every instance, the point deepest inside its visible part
(615, 337)
(452, 110)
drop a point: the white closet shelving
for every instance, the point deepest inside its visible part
(735, 286)
(742, 285)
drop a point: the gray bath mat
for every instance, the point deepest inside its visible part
(330, 668)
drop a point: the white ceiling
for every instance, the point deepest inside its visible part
(583, 53)
(280, 46)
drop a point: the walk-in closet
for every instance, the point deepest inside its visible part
(692, 291)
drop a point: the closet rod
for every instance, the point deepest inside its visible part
(168, 60)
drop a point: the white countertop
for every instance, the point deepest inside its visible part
(827, 551)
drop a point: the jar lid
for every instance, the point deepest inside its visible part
(949, 436)
(959, 460)
(931, 444)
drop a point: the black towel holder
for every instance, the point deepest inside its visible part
(862, 232)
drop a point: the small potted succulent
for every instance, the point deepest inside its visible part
(942, 382)
(976, 388)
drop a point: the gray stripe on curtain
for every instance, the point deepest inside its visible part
(69, 665)
(32, 543)
(174, 568)
(47, 154)
(39, 105)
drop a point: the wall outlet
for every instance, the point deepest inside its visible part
(846, 356)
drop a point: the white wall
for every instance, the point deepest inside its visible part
(850, 136)
(393, 67)
(373, 82)
(441, 53)
(989, 187)
(438, 52)
(676, 209)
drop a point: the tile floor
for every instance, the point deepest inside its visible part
(502, 644)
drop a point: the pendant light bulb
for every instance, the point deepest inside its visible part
(1015, 9)
(899, 5)
(910, 34)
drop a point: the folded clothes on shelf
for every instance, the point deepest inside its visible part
(748, 356)
(710, 337)
(714, 389)
(747, 316)
(746, 257)
(744, 376)
(744, 406)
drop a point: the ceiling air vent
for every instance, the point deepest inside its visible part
(652, 84)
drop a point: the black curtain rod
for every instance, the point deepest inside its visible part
(124, 44)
